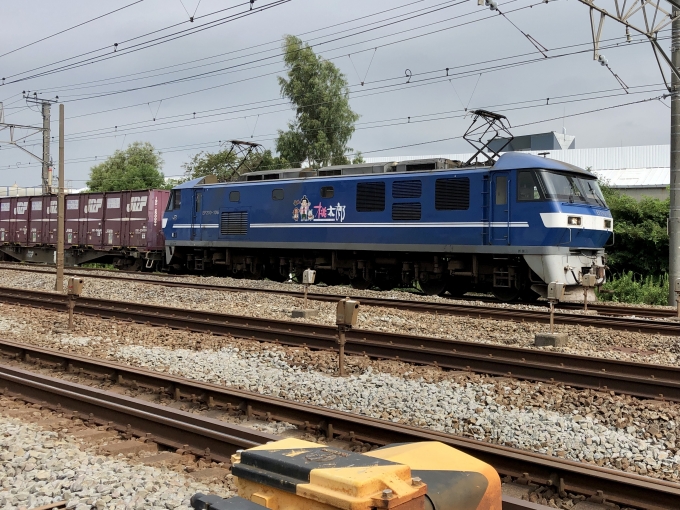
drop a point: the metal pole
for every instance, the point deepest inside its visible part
(305, 305)
(46, 178)
(674, 213)
(552, 316)
(59, 286)
(341, 357)
(71, 306)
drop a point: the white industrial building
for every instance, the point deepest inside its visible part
(637, 171)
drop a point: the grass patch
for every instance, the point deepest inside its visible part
(627, 288)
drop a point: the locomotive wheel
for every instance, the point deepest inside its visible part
(506, 294)
(273, 274)
(528, 295)
(433, 287)
(458, 287)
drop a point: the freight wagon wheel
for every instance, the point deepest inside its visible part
(506, 294)
(433, 287)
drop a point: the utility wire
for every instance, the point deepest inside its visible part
(70, 28)
(146, 44)
(429, 142)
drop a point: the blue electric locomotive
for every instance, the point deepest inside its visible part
(509, 228)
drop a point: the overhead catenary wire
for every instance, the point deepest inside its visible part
(277, 42)
(147, 44)
(439, 140)
(69, 29)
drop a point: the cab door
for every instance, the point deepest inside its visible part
(197, 215)
(500, 209)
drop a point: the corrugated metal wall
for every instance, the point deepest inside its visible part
(608, 158)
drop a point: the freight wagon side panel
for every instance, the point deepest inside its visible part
(94, 214)
(51, 217)
(20, 216)
(35, 221)
(154, 232)
(71, 220)
(4, 220)
(137, 212)
(113, 220)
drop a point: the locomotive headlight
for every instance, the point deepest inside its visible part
(607, 223)
(574, 220)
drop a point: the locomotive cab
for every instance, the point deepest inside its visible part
(568, 218)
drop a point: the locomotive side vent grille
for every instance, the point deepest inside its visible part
(370, 196)
(406, 211)
(407, 189)
(234, 223)
(452, 194)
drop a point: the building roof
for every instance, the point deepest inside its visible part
(636, 166)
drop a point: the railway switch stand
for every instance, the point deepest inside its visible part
(345, 318)
(588, 281)
(74, 290)
(308, 277)
(552, 339)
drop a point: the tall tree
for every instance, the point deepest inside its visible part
(222, 164)
(137, 167)
(324, 121)
(641, 242)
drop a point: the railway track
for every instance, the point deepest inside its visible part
(177, 429)
(632, 318)
(636, 379)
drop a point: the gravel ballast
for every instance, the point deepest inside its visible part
(40, 467)
(621, 345)
(599, 428)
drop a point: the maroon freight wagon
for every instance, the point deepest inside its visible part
(119, 227)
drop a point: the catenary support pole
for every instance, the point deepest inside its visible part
(46, 176)
(674, 216)
(59, 286)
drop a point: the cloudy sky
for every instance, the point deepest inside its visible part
(187, 86)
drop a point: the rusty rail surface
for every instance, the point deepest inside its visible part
(478, 311)
(619, 487)
(636, 379)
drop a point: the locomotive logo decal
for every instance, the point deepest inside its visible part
(136, 204)
(93, 205)
(303, 210)
(21, 208)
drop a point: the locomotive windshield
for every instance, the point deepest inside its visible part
(571, 188)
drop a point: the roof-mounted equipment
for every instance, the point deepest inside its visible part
(483, 123)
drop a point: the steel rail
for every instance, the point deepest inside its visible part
(480, 311)
(171, 427)
(635, 379)
(618, 487)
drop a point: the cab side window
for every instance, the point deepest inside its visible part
(175, 201)
(527, 187)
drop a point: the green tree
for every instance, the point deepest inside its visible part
(137, 167)
(641, 238)
(324, 121)
(223, 163)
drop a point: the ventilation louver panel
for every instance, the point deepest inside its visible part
(452, 194)
(370, 196)
(407, 189)
(234, 223)
(406, 211)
